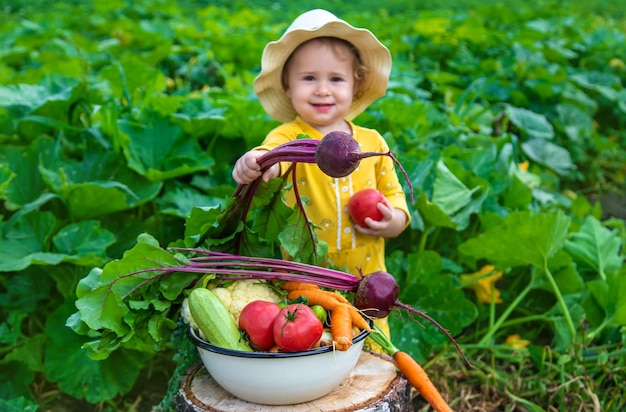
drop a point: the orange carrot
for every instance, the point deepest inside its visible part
(329, 301)
(341, 327)
(417, 376)
(320, 297)
(358, 320)
(290, 285)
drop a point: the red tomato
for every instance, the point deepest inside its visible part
(297, 328)
(256, 319)
(364, 204)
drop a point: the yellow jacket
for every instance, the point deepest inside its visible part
(327, 197)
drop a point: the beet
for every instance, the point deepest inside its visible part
(376, 294)
(338, 154)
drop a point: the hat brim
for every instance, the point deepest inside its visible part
(374, 55)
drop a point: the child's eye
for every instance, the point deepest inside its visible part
(336, 79)
(309, 78)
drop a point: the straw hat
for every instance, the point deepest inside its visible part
(312, 24)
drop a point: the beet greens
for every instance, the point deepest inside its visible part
(380, 287)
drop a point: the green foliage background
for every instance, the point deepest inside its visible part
(121, 118)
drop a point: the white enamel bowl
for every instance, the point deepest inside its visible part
(279, 378)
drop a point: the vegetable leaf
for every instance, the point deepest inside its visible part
(430, 290)
(523, 238)
(549, 155)
(174, 155)
(596, 247)
(530, 123)
(77, 374)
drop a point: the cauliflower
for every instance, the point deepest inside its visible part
(239, 293)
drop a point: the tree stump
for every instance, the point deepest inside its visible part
(374, 385)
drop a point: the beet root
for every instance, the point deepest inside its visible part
(338, 154)
(376, 294)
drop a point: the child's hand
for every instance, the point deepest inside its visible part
(391, 225)
(247, 168)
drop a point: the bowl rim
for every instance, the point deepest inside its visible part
(201, 343)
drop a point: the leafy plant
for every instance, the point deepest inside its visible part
(119, 124)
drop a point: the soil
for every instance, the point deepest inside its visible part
(613, 205)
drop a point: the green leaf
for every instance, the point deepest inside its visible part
(174, 155)
(18, 404)
(179, 200)
(14, 380)
(97, 185)
(523, 238)
(449, 193)
(11, 327)
(549, 155)
(23, 242)
(78, 375)
(577, 123)
(145, 255)
(6, 175)
(202, 221)
(271, 213)
(610, 295)
(85, 240)
(102, 294)
(437, 294)
(133, 78)
(617, 287)
(21, 99)
(432, 213)
(596, 247)
(26, 291)
(563, 338)
(201, 123)
(30, 353)
(103, 308)
(530, 123)
(26, 184)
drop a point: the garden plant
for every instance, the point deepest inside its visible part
(120, 122)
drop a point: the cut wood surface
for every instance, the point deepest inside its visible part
(373, 385)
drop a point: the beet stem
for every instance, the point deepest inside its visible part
(364, 155)
(411, 309)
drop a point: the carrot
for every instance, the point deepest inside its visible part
(341, 327)
(320, 297)
(290, 285)
(413, 371)
(329, 301)
(417, 376)
(358, 320)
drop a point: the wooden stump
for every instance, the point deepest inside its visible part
(373, 385)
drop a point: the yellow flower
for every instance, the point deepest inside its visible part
(617, 63)
(483, 284)
(524, 166)
(516, 342)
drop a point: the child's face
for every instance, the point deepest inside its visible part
(321, 85)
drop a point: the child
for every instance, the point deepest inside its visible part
(315, 79)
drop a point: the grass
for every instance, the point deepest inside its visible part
(517, 380)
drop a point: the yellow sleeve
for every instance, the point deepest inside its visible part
(285, 133)
(389, 183)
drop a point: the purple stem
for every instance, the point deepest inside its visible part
(411, 309)
(220, 259)
(363, 155)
